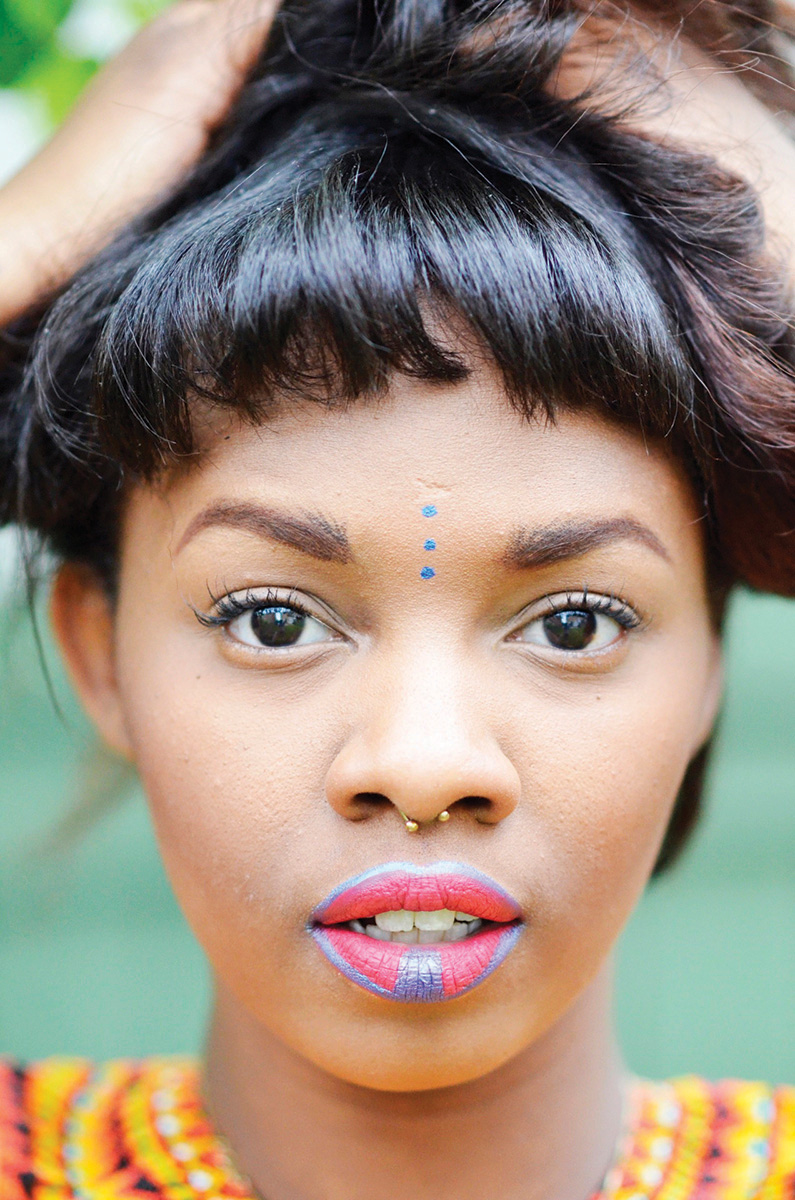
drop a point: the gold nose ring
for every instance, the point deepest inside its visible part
(412, 826)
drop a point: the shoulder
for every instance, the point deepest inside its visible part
(690, 1137)
(122, 1129)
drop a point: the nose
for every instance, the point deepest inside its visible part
(424, 745)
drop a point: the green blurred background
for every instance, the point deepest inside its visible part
(94, 956)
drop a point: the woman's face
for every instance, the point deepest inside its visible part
(417, 604)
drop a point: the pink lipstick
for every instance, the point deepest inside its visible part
(417, 933)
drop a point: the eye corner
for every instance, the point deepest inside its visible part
(208, 620)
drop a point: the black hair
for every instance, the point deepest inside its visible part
(388, 162)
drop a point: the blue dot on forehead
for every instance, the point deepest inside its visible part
(429, 510)
(427, 573)
(430, 544)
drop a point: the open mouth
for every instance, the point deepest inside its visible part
(417, 933)
(418, 928)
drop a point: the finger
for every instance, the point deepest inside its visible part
(189, 62)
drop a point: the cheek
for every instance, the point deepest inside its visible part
(236, 796)
(603, 770)
(233, 768)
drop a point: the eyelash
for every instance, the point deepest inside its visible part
(610, 605)
(227, 608)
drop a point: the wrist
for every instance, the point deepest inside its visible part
(23, 271)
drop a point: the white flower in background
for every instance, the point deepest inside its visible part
(23, 127)
(96, 28)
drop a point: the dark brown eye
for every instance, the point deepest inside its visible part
(571, 629)
(277, 627)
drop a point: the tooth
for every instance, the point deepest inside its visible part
(456, 933)
(380, 935)
(408, 936)
(357, 927)
(440, 918)
(429, 936)
(465, 917)
(396, 921)
(474, 926)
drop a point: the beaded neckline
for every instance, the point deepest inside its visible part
(127, 1129)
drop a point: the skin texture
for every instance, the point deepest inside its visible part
(273, 776)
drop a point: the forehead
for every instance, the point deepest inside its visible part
(462, 447)
(493, 481)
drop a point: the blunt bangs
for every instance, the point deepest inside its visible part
(329, 270)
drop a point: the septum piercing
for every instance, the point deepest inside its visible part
(412, 826)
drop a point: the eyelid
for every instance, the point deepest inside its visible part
(229, 605)
(607, 603)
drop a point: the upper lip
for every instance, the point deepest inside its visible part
(399, 885)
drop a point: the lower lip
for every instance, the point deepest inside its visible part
(413, 973)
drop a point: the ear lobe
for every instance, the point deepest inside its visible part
(82, 619)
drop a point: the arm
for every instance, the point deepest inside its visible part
(143, 121)
(147, 116)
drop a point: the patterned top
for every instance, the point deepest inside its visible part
(128, 1130)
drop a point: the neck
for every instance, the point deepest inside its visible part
(541, 1127)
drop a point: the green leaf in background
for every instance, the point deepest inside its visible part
(17, 46)
(57, 79)
(39, 18)
(144, 10)
(37, 57)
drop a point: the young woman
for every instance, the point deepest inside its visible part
(399, 461)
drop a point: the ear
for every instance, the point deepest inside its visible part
(712, 694)
(82, 618)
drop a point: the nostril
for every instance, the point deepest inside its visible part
(367, 804)
(363, 805)
(480, 806)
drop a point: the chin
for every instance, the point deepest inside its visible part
(404, 1048)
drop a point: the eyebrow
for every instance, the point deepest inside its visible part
(310, 533)
(570, 539)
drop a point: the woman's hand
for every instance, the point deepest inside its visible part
(699, 104)
(142, 122)
(146, 118)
